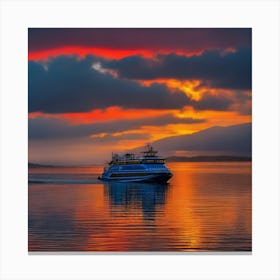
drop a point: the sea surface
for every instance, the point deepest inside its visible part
(205, 207)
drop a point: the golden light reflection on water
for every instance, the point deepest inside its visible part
(205, 207)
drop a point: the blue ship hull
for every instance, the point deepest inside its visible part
(155, 177)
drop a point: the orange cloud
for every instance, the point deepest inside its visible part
(222, 118)
(192, 88)
(189, 87)
(109, 114)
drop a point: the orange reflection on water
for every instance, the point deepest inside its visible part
(209, 204)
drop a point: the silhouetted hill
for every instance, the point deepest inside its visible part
(233, 140)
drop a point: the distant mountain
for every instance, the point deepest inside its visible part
(233, 140)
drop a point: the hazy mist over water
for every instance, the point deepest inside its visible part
(204, 207)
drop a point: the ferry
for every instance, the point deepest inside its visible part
(128, 168)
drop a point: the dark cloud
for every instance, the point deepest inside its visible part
(216, 69)
(188, 39)
(245, 109)
(51, 128)
(69, 84)
(243, 96)
(220, 102)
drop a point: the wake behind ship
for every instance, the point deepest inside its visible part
(129, 168)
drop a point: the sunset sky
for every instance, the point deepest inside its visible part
(94, 91)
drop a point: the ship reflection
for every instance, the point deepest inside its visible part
(147, 197)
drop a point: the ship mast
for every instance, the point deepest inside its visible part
(150, 152)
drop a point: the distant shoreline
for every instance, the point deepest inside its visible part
(208, 159)
(168, 159)
(37, 165)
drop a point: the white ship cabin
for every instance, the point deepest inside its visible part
(149, 157)
(128, 158)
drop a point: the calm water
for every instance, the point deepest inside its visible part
(204, 207)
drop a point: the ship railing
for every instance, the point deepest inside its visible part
(124, 161)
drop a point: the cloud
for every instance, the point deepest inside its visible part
(51, 128)
(69, 84)
(109, 138)
(188, 39)
(215, 68)
(220, 102)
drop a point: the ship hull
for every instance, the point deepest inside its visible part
(156, 178)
